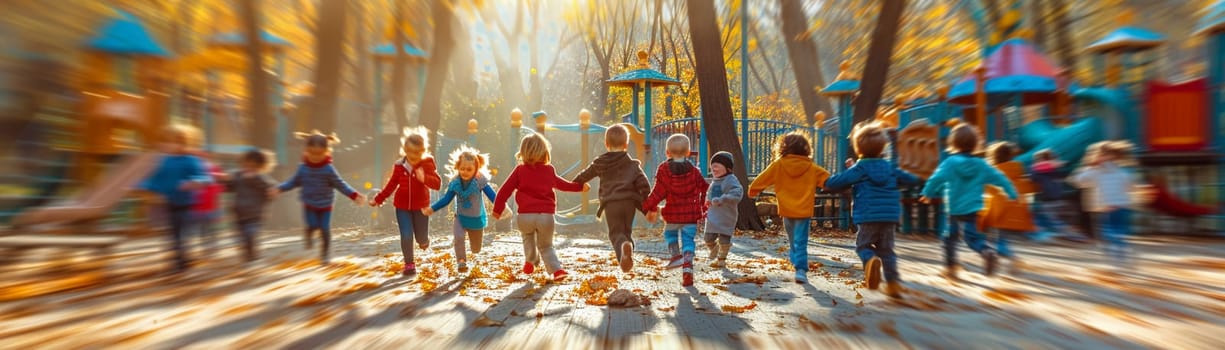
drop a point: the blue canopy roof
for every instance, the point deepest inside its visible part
(389, 51)
(1214, 21)
(643, 75)
(125, 35)
(239, 38)
(1128, 39)
(841, 87)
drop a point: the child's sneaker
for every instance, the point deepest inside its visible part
(686, 279)
(323, 259)
(719, 263)
(871, 272)
(950, 272)
(675, 262)
(991, 260)
(528, 268)
(424, 246)
(801, 277)
(410, 269)
(559, 275)
(893, 290)
(462, 267)
(627, 256)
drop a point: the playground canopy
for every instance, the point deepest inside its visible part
(239, 39)
(1127, 39)
(1016, 67)
(642, 75)
(388, 51)
(124, 35)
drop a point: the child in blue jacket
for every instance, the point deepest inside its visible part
(318, 178)
(876, 206)
(963, 176)
(469, 180)
(176, 179)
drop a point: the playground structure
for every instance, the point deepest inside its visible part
(101, 154)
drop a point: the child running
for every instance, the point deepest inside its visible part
(722, 212)
(1009, 218)
(318, 178)
(1048, 176)
(623, 188)
(795, 179)
(176, 179)
(1111, 186)
(469, 173)
(250, 186)
(532, 182)
(963, 176)
(412, 178)
(877, 204)
(679, 183)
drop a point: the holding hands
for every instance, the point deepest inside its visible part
(427, 211)
(652, 216)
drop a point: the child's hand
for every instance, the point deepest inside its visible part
(496, 215)
(359, 199)
(586, 187)
(419, 174)
(372, 203)
(273, 192)
(710, 204)
(427, 211)
(652, 216)
(849, 162)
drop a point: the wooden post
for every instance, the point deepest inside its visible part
(980, 98)
(584, 125)
(472, 129)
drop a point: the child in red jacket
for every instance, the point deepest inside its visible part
(681, 184)
(412, 178)
(534, 180)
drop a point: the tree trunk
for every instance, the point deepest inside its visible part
(399, 71)
(328, 49)
(1063, 39)
(1038, 16)
(804, 60)
(716, 104)
(880, 53)
(263, 127)
(364, 68)
(439, 65)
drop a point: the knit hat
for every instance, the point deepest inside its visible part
(724, 158)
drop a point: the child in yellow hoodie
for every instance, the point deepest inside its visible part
(1007, 217)
(795, 179)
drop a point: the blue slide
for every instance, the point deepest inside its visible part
(1068, 142)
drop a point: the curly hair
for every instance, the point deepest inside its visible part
(467, 153)
(793, 143)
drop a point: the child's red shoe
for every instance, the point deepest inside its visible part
(675, 262)
(687, 279)
(559, 275)
(410, 269)
(528, 268)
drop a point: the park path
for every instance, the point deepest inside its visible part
(1066, 298)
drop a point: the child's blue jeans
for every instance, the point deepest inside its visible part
(875, 239)
(413, 224)
(797, 230)
(959, 225)
(1116, 225)
(685, 233)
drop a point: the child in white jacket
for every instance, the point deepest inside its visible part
(1111, 185)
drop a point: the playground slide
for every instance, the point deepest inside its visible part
(1167, 203)
(97, 200)
(1068, 143)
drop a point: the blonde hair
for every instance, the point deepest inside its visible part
(1121, 151)
(467, 153)
(418, 139)
(617, 137)
(963, 139)
(533, 149)
(869, 140)
(678, 145)
(318, 138)
(181, 134)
